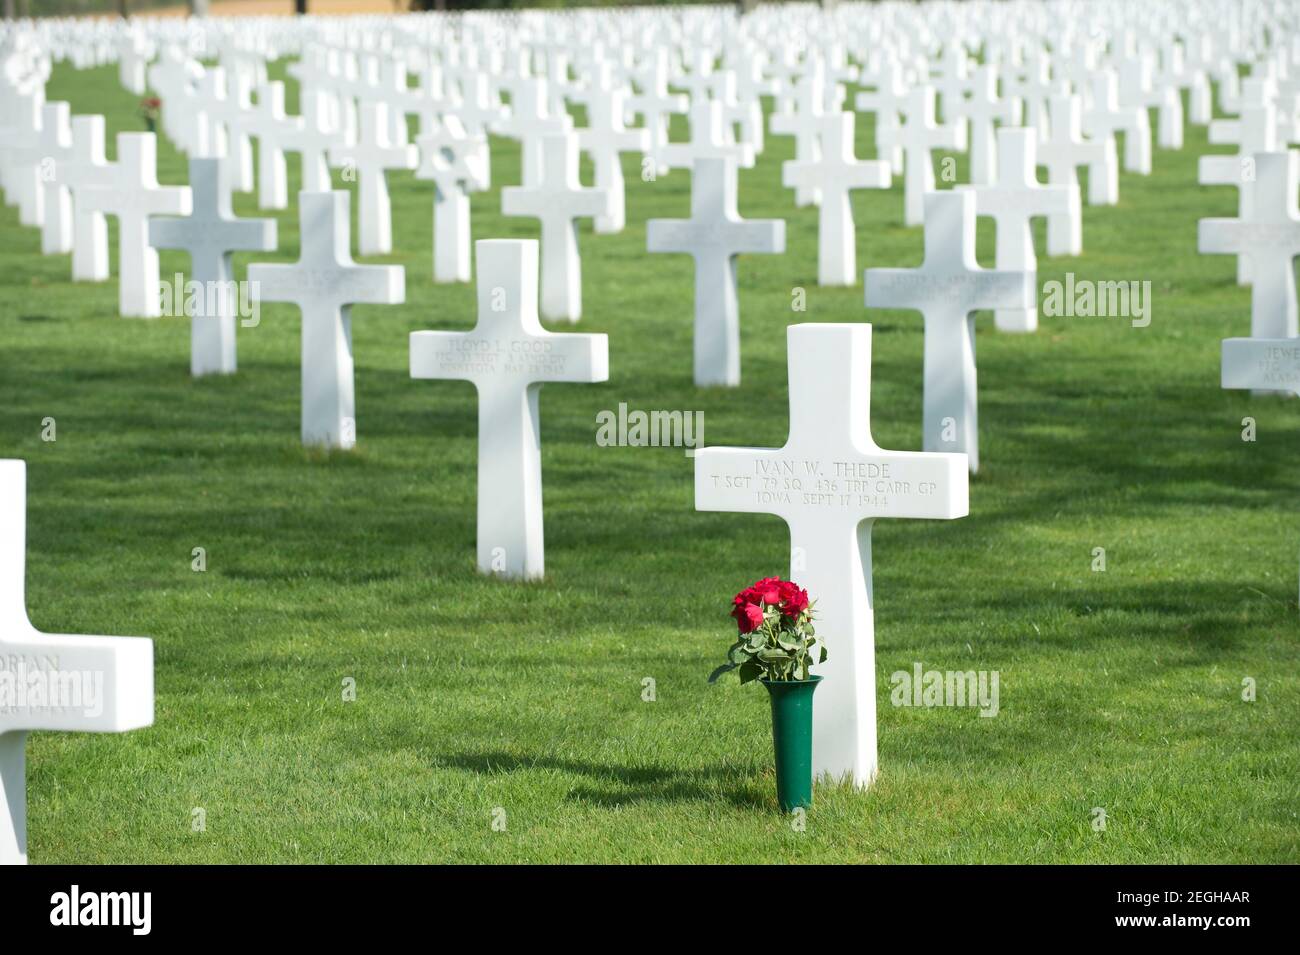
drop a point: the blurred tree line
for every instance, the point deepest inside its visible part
(72, 8)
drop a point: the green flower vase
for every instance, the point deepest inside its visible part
(792, 708)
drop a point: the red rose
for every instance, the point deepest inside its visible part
(749, 617)
(794, 599)
(738, 604)
(769, 590)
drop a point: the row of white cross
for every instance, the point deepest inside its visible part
(1021, 107)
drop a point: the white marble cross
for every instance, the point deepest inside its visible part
(132, 63)
(530, 121)
(886, 101)
(374, 153)
(458, 164)
(1012, 201)
(275, 131)
(829, 483)
(30, 162)
(559, 86)
(1029, 81)
(87, 167)
(1254, 131)
(918, 135)
(1270, 237)
(56, 137)
(707, 140)
(785, 66)
(655, 104)
(714, 235)
(1138, 87)
(210, 234)
(1063, 152)
(325, 283)
(133, 197)
(556, 199)
(947, 289)
(699, 77)
(509, 356)
(953, 79)
(834, 174)
(1106, 117)
(183, 122)
(982, 109)
(743, 114)
(228, 98)
(313, 139)
(804, 123)
(53, 681)
(1175, 71)
(479, 109)
(604, 138)
(19, 137)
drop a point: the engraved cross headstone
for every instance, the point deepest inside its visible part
(275, 132)
(87, 167)
(133, 197)
(918, 135)
(1062, 153)
(52, 681)
(458, 165)
(325, 283)
(371, 157)
(829, 483)
(604, 138)
(1270, 237)
(707, 140)
(834, 173)
(1012, 201)
(556, 200)
(714, 235)
(947, 289)
(210, 234)
(509, 356)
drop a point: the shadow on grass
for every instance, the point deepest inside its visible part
(634, 784)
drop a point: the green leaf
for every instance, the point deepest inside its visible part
(738, 654)
(823, 656)
(773, 654)
(750, 671)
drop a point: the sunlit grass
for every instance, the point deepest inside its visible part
(1119, 690)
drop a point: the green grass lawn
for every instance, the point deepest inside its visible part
(1119, 690)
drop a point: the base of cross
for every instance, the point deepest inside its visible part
(13, 798)
(1262, 364)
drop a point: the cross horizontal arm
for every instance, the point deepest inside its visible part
(472, 356)
(104, 684)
